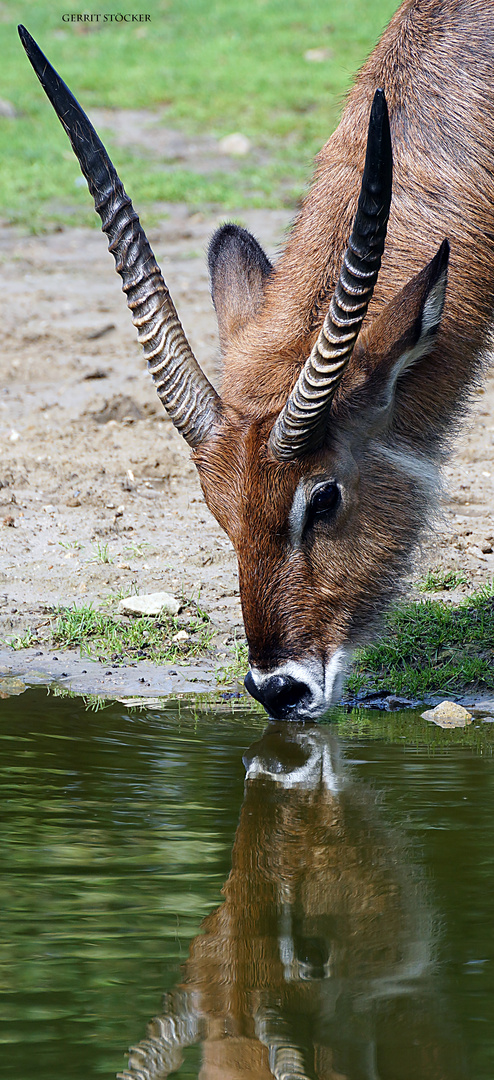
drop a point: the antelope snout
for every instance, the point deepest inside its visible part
(298, 690)
(283, 697)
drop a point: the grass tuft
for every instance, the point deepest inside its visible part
(23, 641)
(430, 647)
(119, 640)
(101, 554)
(439, 580)
(235, 670)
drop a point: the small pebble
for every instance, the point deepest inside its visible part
(318, 56)
(235, 145)
(448, 715)
(11, 685)
(7, 109)
(97, 373)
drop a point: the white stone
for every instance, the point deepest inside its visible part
(11, 685)
(150, 604)
(7, 109)
(236, 144)
(317, 56)
(448, 715)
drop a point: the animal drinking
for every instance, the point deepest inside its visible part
(347, 364)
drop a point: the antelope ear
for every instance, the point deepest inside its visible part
(238, 269)
(403, 332)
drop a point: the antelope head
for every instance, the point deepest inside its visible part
(322, 494)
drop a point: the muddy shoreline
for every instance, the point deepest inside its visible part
(66, 671)
(78, 674)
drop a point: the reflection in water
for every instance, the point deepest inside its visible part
(319, 961)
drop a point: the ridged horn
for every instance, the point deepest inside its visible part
(286, 1059)
(301, 424)
(187, 395)
(161, 1053)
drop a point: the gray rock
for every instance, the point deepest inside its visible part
(448, 715)
(150, 604)
(10, 686)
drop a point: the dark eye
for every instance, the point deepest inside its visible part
(325, 500)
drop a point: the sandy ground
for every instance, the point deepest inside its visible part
(91, 465)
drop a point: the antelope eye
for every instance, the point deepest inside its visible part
(325, 499)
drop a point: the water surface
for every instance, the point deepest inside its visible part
(332, 913)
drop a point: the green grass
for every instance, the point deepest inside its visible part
(235, 669)
(213, 66)
(426, 648)
(140, 549)
(121, 640)
(101, 554)
(442, 580)
(24, 640)
(430, 647)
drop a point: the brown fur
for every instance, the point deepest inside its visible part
(435, 63)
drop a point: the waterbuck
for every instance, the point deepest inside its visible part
(342, 379)
(319, 961)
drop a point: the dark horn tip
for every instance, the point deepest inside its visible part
(443, 253)
(25, 37)
(377, 178)
(440, 261)
(379, 104)
(379, 116)
(37, 58)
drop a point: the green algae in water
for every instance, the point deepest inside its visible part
(339, 900)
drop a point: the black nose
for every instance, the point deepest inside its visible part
(280, 695)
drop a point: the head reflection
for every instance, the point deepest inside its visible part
(318, 962)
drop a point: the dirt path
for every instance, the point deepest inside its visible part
(90, 463)
(92, 468)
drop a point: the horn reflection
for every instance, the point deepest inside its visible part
(318, 963)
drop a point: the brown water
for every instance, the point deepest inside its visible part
(315, 902)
